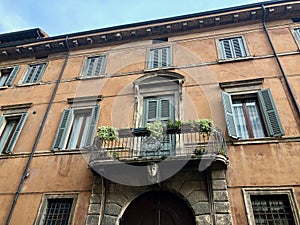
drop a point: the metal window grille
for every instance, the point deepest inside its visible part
(58, 211)
(272, 209)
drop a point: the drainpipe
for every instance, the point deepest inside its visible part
(38, 135)
(290, 91)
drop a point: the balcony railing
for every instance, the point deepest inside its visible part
(134, 145)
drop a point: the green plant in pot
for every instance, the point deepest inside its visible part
(174, 126)
(204, 125)
(108, 133)
(156, 129)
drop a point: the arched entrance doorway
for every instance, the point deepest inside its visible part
(158, 208)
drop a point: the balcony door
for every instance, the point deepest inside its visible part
(159, 108)
(158, 208)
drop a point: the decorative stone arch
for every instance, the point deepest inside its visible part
(158, 84)
(157, 205)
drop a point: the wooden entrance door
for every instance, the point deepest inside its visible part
(158, 208)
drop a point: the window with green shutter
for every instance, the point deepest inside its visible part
(8, 75)
(252, 116)
(159, 57)
(159, 108)
(11, 127)
(76, 128)
(34, 73)
(232, 48)
(94, 66)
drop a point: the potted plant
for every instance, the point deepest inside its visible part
(174, 127)
(108, 133)
(204, 126)
(156, 129)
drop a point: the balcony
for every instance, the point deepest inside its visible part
(139, 146)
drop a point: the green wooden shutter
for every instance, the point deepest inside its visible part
(12, 76)
(229, 115)
(166, 109)
(63, 129)
(150, 110)
(270, 114)
(16, 133)
(92, 126)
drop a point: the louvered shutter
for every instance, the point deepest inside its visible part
(165, 57)
(95, 66)
(226, 49)
(16, 133)
(150, 110)
(1, 121)
(89, 66)
(297, 31)
(238, 47)
(34, 73)
(92, 126)
(63, 129)
(270, 114)
(166, 109)
(159, 57)
(12, 76)
(229, 115)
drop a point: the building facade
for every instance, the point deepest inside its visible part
(228, 78)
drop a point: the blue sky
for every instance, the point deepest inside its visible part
(58, 17)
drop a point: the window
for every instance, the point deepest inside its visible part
(8, 75)
(271, 209)
(159, 57)
(270, 206)
(10, 129)
(94, 66)
(297, 32)
(252, 115)
(34, 73)
(56, 209)
(232, 48)
(76, 128)
(158, 108)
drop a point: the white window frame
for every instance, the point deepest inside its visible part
(247, 192)
(148, 57)
(43, 206)
(220, 49)
(83, 74)
(21, 82)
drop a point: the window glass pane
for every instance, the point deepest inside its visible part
(255, 120)
(240, 120)
(3, 78)
(79, 129)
